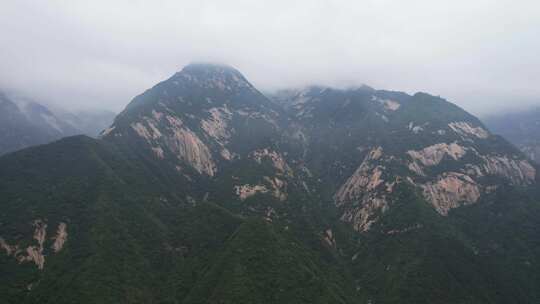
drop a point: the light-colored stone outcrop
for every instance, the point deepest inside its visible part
(187, 146)
(364, 179)
(363, 195)
(10, 249)
(180, 140)
(216, 126)
(415, 167)
(277, 160)
(60, 238)
(158, 151)
(146, 129)
(246, 191)
(34, 253)
(278, 186)
(361, 181)
(141, 130)
(270, 214)
(451, 190)
(107, 131)
(465, 129)
(226, 154)
(518, 171)
(328, 238)
(158, 115)
(432, 155)
(415, 129)
(274, 186)
(363, 217)
(388, 104)
(152, 128)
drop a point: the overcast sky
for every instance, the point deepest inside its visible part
(482, 55)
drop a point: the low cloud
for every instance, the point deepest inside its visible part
(482, 55)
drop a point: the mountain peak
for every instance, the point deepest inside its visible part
(210, 74)
(209, 67)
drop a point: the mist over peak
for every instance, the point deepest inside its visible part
(480, 55)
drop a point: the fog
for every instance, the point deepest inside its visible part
(482, 55)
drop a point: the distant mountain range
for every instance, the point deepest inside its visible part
(522, 128)
(204, 190)
(26, 123)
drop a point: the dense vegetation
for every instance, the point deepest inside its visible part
(147, 229)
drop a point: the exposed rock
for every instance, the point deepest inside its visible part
(141, 130)
(365, 215)
(270, 213)
(390, 105)
(187, 146)
(158, 151)
(375, 153)
(179, 140)
(451, 190)
(362, 180)
(365, 178)
(157, 115)
(226, 154)
(60, 238)
(152, 126)
(415, 129)
(279, 187)
(328, 238)
(246, 191)
(146, 129)
(518, 171)
(34, 253)
(415, 167)
(360, 196)
(216, 125)
(465, 129)
(8, 248)
(277, 160)
(473, 170)
(276, 186)
(107, 131)
(433, 155)
(174, 122)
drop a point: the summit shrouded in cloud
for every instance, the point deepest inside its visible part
(481, 55)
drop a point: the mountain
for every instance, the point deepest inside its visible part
(28, 124)
(25, 123)
(88, 122)
(522, 128)
(204, 190)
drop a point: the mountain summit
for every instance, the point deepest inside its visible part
(204, 190)
(27, 124)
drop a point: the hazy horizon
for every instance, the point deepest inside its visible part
(481, 56)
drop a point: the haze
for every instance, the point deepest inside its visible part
(482, 55)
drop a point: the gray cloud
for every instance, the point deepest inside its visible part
(482, 55)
